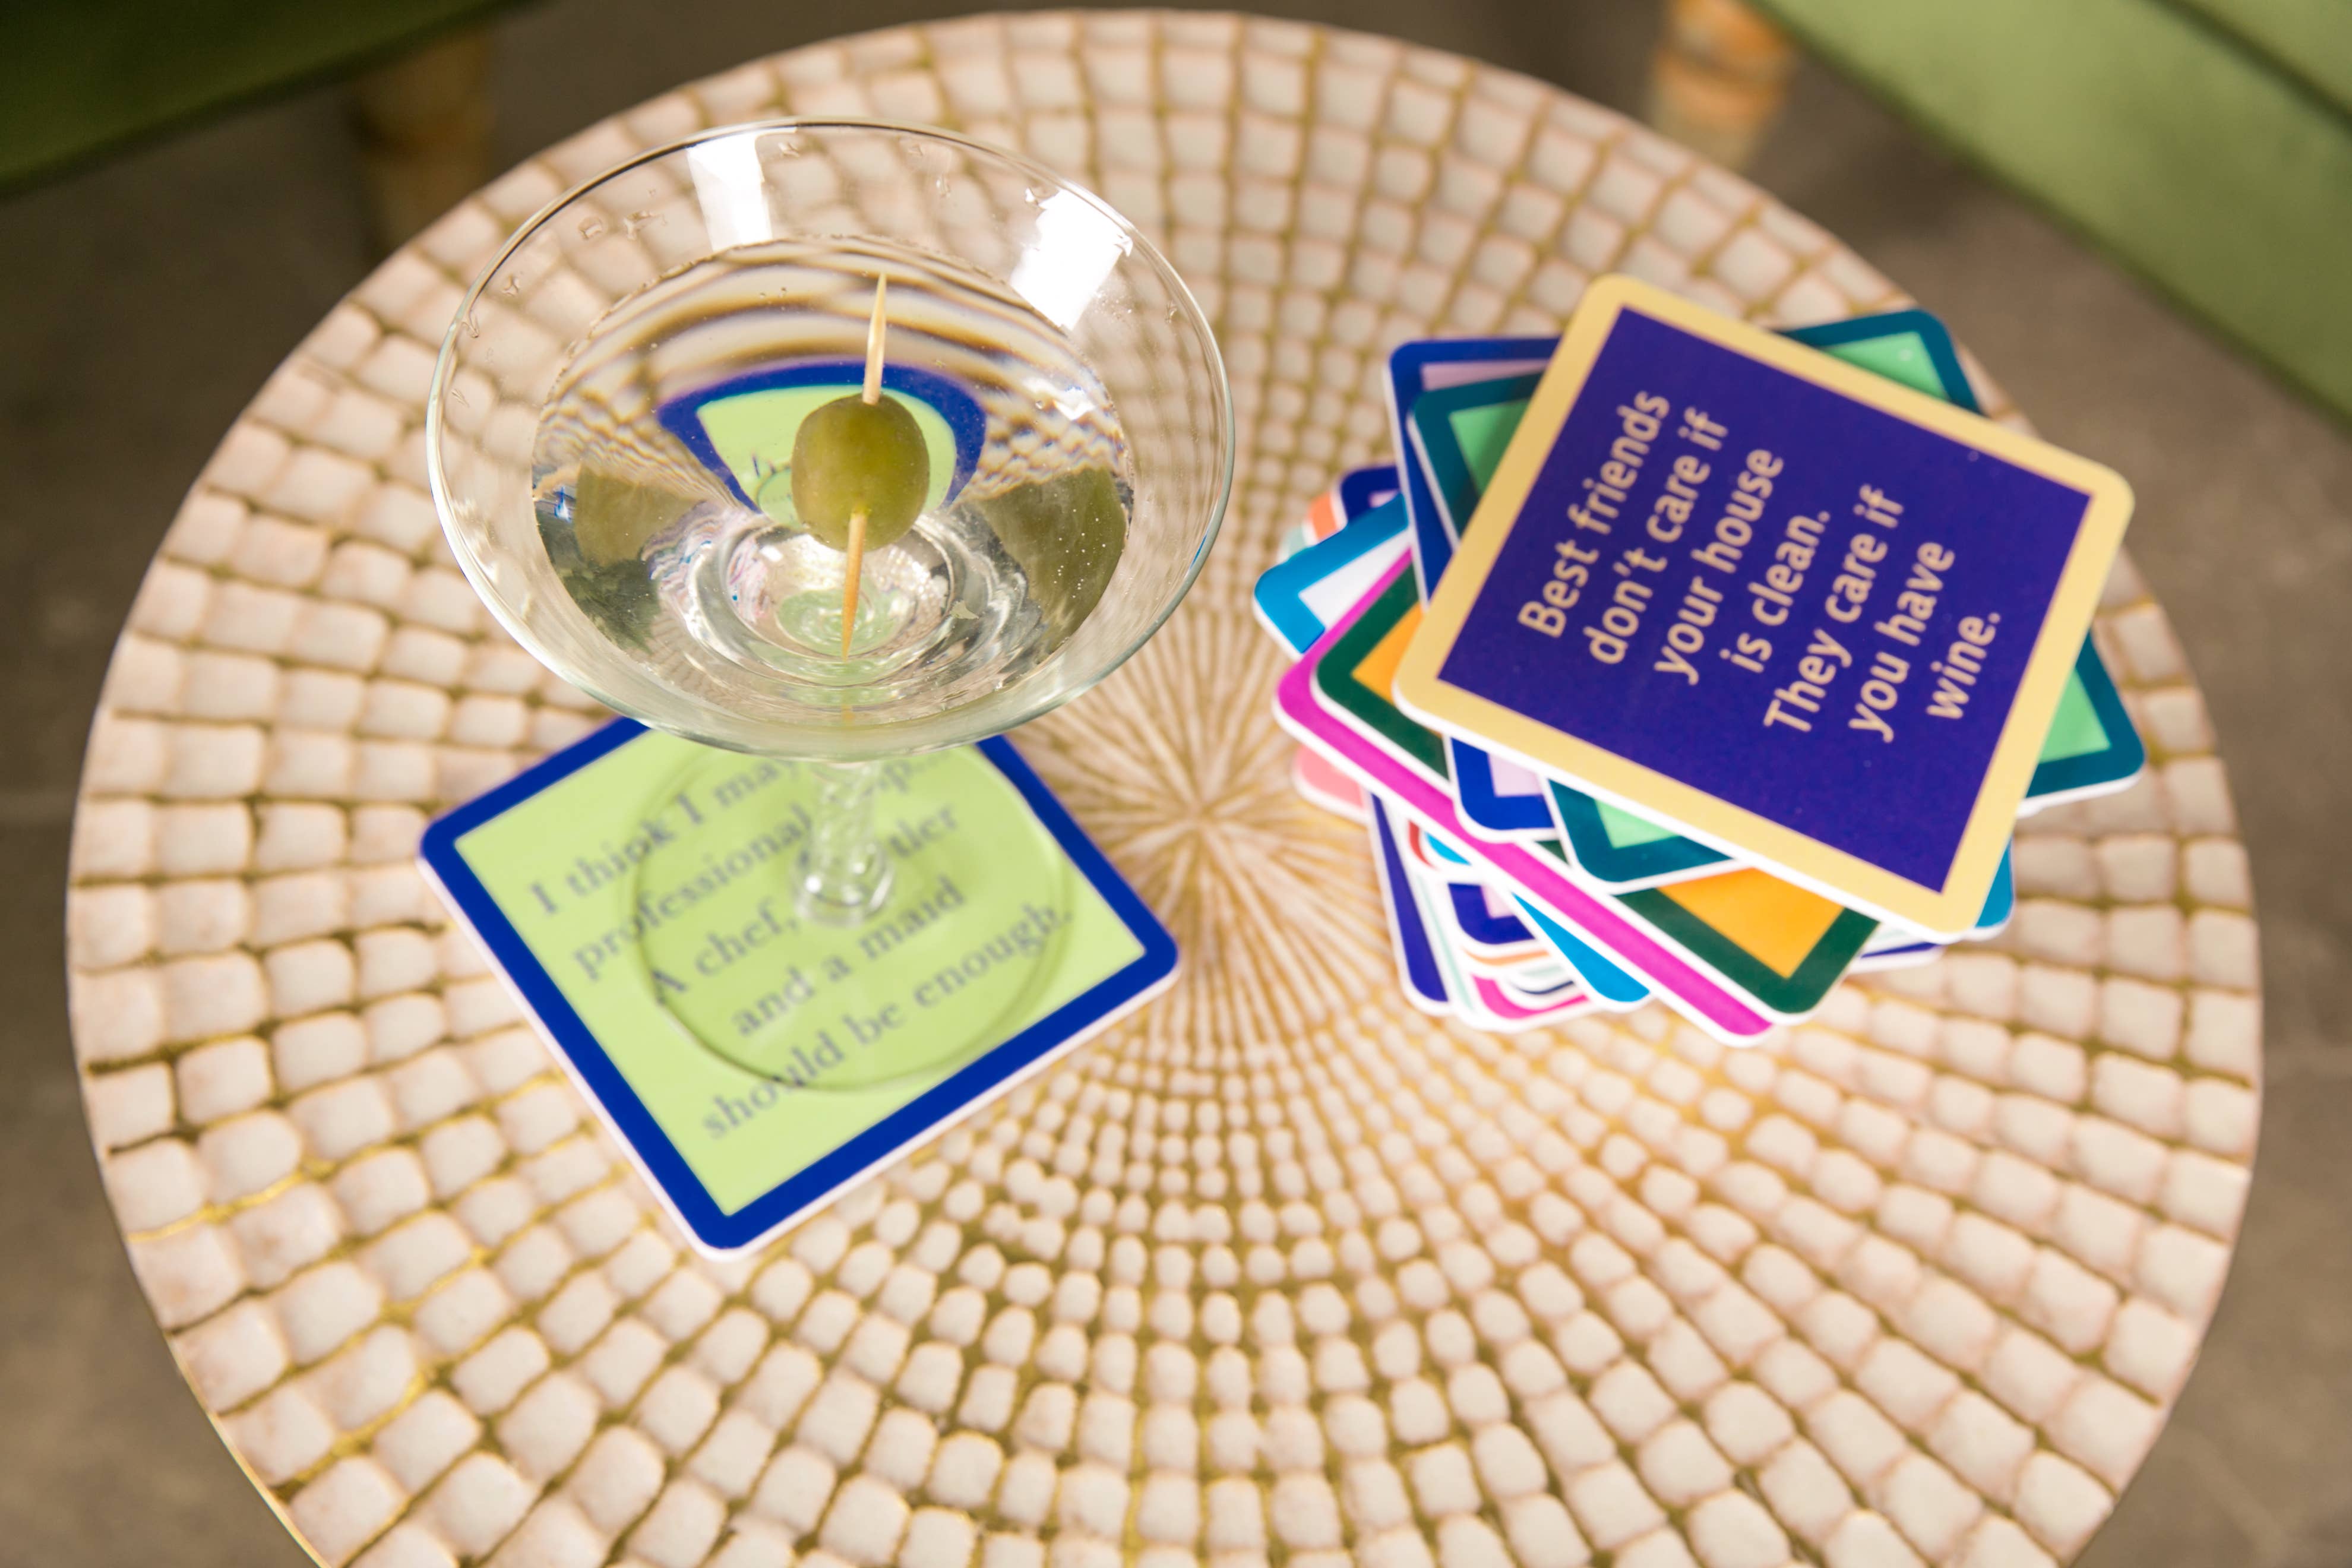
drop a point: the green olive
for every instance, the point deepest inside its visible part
(852, 456)
(1067, 533)
(614, 517)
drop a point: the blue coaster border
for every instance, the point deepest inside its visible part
(1408, 366)
(1361, 489)
(1416, 956)
(1470, 911)
(1487, 808)
(709, 1226)
(1278, 598)
(1573, 816)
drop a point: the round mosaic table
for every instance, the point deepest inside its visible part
(1280, 1272)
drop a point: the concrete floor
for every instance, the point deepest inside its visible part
(155, 292)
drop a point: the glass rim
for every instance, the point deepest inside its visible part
(445, 360)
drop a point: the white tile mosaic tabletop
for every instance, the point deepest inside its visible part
(1279, 1273)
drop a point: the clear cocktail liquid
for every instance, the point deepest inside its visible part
(693, 561)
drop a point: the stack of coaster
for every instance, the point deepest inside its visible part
(1674, 657)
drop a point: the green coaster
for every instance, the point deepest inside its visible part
(636, 891)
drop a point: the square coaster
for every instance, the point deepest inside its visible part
(1910, 348)
(1624, 851)
(1488, 922)
(2092, 748)
(1908, 586)
(1361, 489)
(1297, 600)
(1432, 365)
(1780, 945)
(1321, 784)
(1358, 492)
(634, 892)
(1484, 1000)
(1459, 435)
(1410, 937)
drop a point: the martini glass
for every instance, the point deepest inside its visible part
(611, 429)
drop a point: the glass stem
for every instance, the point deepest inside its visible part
(844, 871)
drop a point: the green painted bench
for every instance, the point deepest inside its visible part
(2207, 144)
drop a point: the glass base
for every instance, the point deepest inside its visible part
(842, 927)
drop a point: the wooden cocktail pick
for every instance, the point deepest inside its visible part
(874, 329)
(861, 470)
